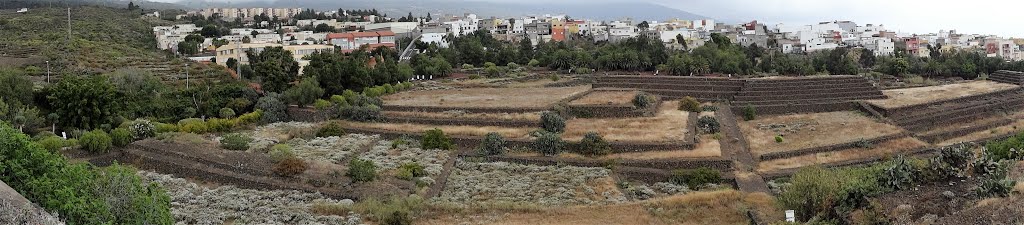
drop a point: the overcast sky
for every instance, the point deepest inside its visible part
(1000, 17)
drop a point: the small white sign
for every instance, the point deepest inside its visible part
(790, 216)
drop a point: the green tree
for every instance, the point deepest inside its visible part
(867, 58)
(275, 67)
(304, 93)
(84, 102)
(210, 31)
(188, 48)
(323, 28)
(15, 88)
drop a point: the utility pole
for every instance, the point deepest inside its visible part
(47, 71)
(186, 75)
(238, 63)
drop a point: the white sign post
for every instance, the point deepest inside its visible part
(790, 216)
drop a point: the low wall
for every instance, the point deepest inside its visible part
(717, 163)
(799, 108)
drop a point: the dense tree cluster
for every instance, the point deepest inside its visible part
(337, 72)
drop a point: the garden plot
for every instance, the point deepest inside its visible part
(389, 155)
(669, 124)
(414, 128)
(500, 182)
(267, 135)
(484, 97)
(195, 204)
(886, 148)
(607, 97)
(1012, 128)
(921, 95)
(802, 131)
(460, 114)
(331, 149)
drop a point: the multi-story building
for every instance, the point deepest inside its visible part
(348, 42)
(238, 51)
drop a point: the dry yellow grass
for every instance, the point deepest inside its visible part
(668, 125)
(484, 97)
(707, 148)
(715, 207)
(885, 148)
(479, 116)
(920, 95)
(829, 129)
(507, 132)
(1014, 127)
(606, 97)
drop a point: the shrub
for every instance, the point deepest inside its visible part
(192, 125)
(120, 137)
(548, 143)
(250, 118)
(369, 113)
(710, 108)
(436, 139)
(533, 63)
(235, 141)
(643, 100)
(554, 77)
(165, 127)
(389, 89)
(493, 144)
(467, 66)
(411, 170)
(552, 122)
(899, 174)
(226, 113)
(280, 152)
(362, 170)
(474, 77)
(338, 100)
(220, 125)
(331, 129)
(273, 109)
(995, 187)
(778, 139)
(708, 124)
(749, 113)
(824, 193)
(951, 162)
(593, 144)
(96, 141)
(393, 211)
(290, 167)
(689, 104)
(696, 177)
(492, 71)
(52, 143)
(141, 129)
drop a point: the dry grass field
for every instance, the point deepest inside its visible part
(485, 97)
(507, 132)
(921, 95)
(1014, 127)
(706, 207)
(461, 115)
(705, 149)
(816, 129)
(882, 149)
(607, 97)
(668, 125)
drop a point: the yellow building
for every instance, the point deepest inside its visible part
(237, 51)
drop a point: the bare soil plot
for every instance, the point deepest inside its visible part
(705, 149)
(485, 97)
(607, 97)
(710, 207)
(457, 114)
(885, 148)
(802, 131)
(669, 124)
(921, 95)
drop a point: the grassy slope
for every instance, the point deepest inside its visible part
(103, 39)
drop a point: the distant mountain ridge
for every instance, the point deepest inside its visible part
(639, 11)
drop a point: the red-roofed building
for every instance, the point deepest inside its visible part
(353, 40)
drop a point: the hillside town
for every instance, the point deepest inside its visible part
(347, 31)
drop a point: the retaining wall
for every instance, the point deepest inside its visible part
(829, 148)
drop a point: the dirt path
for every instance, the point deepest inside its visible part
(734, 146)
